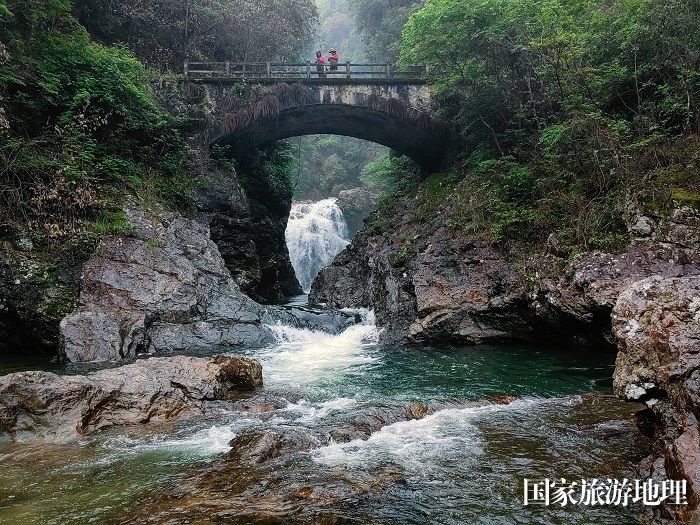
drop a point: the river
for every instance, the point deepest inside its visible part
(359, 433)
(462, 463)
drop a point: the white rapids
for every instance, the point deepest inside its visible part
(304, 357)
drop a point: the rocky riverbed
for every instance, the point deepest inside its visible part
(348, 430)
(435, 285)
(165, 289)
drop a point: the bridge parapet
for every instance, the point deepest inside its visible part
(271, 72)
(244, 113)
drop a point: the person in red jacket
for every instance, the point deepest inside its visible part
(333, 58)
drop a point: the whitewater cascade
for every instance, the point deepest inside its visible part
(316, 233)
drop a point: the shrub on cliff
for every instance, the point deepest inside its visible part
(567, 109)
(82, 127)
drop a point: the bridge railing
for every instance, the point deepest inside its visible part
(302, 70)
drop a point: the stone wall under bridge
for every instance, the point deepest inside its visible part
(397, 114)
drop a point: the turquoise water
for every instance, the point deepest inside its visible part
(494, 415)
(9, 364)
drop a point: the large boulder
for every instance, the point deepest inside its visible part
(165, 287)
(356, 204)
(656, 322)
(43, 406)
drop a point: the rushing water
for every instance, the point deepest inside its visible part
(461, 461)
(316, 232)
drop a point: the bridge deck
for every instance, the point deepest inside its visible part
(306, 73)
(307, 81)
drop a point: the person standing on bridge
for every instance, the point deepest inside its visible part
(333, 58)
(320, 64)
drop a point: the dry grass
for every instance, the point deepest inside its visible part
(264, 105)
(268, 103)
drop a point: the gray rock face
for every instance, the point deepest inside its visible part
(166, 287)
(42, 406)
(447, 288)
(356, 204)
(248, 228)
(657, 325)
(431, 284)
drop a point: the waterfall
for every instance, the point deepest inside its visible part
(316, 232)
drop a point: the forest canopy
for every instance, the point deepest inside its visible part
(165, 32)
(518, 67)
(570, 112)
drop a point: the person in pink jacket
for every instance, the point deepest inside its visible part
(320, 64)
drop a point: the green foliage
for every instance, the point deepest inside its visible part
(389, 173)
(338, 29)
(432, 193)
(82, 130)
(62, 301)
(377, 224)
(379, 23)
(691, 198)
(400, 258)
(567, 110)
(534, 65)
(5, 14)
(266, 174)
(111, 222)
(155, 243)
(327, 164)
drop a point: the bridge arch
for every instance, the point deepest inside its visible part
(407, 138)
(392, 113)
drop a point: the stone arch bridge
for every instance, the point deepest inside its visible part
(245, 106)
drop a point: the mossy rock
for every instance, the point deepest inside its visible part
(400, 258)
(690, 198)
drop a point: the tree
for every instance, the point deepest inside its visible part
(164, 32)
(380, 23)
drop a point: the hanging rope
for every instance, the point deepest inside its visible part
(298, 162)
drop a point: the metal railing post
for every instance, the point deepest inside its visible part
(228, 69)
(187, 67)
(347, 69)
(269, 70)
(308, 70)
(388, 71)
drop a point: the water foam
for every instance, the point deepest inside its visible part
(418, 442)
(312, 411)
(316, 232)
(303, 356)
(209, 441)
